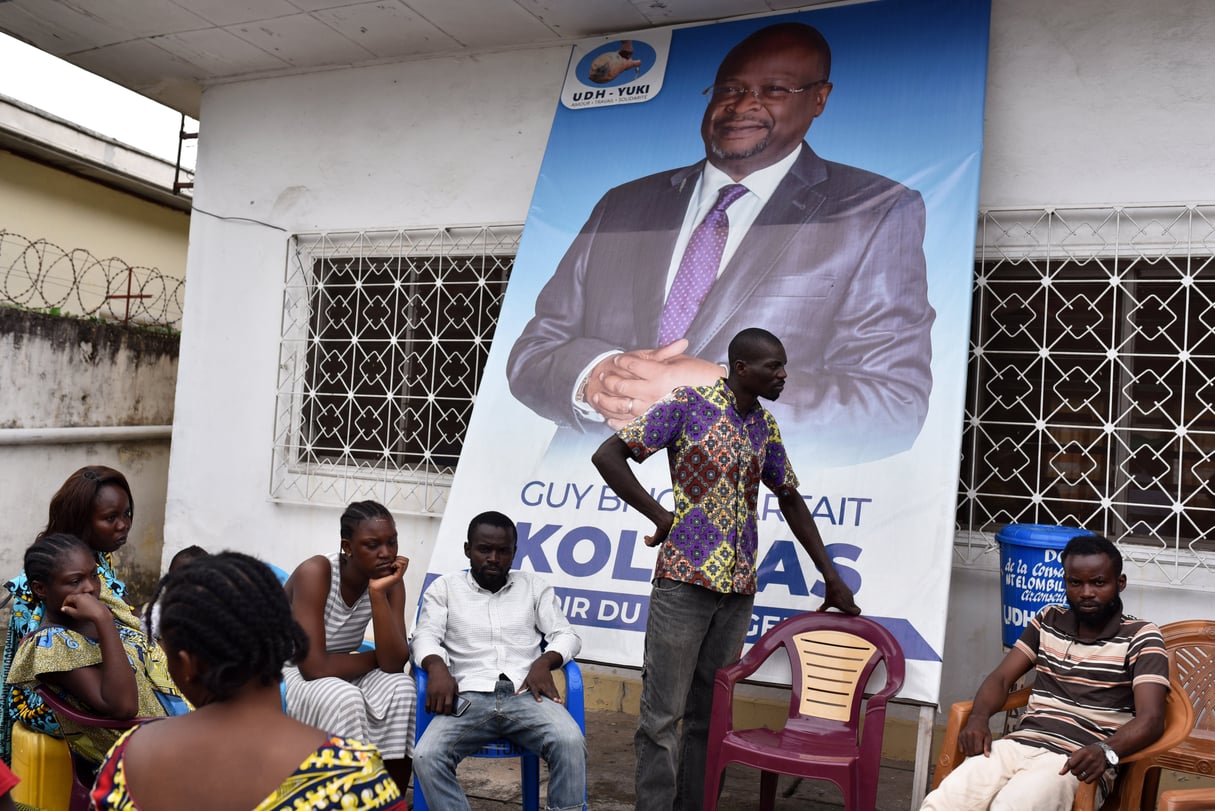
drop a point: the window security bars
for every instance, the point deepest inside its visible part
(1089, 397)
(1092, 380)
(384, 339)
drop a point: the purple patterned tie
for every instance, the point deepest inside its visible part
(698, 268)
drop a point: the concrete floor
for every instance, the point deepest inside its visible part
(493, 785)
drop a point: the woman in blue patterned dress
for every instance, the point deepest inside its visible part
(95, 505)
(226, 626)
(83, 653)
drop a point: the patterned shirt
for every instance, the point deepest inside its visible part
(25, 705)
(55, 649)
(343, 773)
(717, 457)
(1084, 691)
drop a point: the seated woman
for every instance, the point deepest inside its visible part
(365, 695)
(83, 653)
(227, 629)
(95, 505)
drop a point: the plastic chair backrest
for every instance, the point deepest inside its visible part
(279, 572)
(1194, 799)
(831, 659)
(78, 716)
(1191, 647)
(834, 667)
(82, 773)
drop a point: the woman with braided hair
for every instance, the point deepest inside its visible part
(83, 652)
(227, 630)
(367, 695)
(94, 504)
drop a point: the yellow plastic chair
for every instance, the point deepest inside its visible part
(45, 767)
(81, 780)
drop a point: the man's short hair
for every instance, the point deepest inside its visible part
(748, 344)
(493, 518)
(1093, 545)
(188, 555)
(809, 36)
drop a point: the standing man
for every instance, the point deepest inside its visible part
(669, 267)
(478, 639)
(1101, 678)
(721, 444)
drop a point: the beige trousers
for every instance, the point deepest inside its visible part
(1015, 777)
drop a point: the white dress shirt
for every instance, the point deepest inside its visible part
(761, 184)
(481, 634)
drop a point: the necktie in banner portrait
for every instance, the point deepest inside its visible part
(698, 267)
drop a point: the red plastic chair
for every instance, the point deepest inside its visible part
(83, 773)
(831, 657)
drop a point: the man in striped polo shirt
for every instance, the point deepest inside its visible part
(1100, 683)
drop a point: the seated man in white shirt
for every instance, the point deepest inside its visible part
(478, 638)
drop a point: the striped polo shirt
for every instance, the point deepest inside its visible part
(1084, 691)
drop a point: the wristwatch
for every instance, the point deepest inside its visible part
(1111, 757)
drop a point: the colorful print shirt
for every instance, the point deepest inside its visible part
(718, 458)
(55, 649)
(22, 705)
(342, 773)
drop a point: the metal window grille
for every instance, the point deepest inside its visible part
(384, 339)
(1092, 379)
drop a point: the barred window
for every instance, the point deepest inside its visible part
(385, 337)
(1092, 379)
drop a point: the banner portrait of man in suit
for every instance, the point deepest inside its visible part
(828, 256)
(814, 174)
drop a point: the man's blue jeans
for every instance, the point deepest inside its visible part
(690, 633)
(545, 727)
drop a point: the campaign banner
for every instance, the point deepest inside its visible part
(855, 248)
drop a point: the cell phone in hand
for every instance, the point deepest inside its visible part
(462, 704)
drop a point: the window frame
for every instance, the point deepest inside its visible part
(298, 474)
(1139, 246)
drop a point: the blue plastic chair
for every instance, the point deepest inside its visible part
(282, 576)
(279, 572)
(529, 763)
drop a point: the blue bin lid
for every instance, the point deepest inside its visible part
(1041, 536)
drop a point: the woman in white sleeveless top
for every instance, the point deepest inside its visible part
(366, 695)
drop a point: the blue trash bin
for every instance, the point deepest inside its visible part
(1031, 573)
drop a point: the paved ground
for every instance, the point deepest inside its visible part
(493, 785)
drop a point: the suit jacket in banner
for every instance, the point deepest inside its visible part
(833, 265)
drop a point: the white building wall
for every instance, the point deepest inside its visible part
(1092, 101)
(76, 393)
(439, 142)
(1099, 101)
